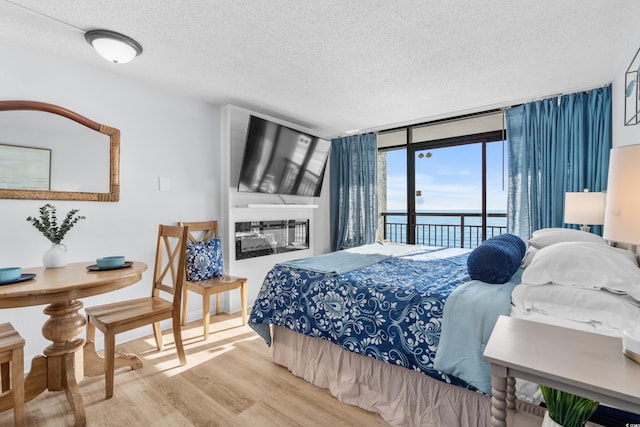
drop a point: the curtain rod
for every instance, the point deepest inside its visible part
(556, 95)
(479, 111)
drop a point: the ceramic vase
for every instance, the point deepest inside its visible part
(548, 422)
(55, 256)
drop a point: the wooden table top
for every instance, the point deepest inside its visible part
(53, 285)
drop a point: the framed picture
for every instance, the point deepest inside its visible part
(25, 168)
(631, 92)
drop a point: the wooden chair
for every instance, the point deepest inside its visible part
(207, 230)
(118, 317)
(12, 368)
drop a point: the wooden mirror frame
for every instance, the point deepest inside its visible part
(114, 162)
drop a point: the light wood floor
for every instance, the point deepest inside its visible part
(229, 380)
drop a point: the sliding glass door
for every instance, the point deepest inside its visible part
(459, 199)
(449, 192)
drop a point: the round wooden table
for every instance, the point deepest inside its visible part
(61, 289)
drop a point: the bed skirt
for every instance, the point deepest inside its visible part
(402, 397)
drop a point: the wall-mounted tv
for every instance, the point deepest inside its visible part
(281, 160)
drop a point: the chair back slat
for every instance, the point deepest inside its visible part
(170, 261)
(201, 231)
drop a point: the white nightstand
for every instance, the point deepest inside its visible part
(583, 363)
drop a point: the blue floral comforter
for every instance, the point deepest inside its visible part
(391, 310)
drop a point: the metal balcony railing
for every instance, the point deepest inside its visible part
(450, 230)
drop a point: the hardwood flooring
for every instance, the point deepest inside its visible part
(229, 380)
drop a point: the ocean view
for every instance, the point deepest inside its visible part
(445, 228)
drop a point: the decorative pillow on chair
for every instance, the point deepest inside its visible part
(497, 259)
(204, 260)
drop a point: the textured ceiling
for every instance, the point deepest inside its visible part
(334, 65)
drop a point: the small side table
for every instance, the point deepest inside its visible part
(583, 363)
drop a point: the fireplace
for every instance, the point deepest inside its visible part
(261, 238)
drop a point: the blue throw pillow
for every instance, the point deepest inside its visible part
(204, 260)
(497, 259)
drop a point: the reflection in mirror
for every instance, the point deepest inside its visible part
(25, 168)
(82, 156)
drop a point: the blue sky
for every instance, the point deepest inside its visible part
(450, 179)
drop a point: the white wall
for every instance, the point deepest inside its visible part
(162, 134)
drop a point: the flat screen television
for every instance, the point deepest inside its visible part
(281, 160)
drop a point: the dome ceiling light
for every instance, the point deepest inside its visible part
(112, 46)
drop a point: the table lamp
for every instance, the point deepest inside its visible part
(585, 208)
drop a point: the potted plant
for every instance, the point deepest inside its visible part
(566, 409)
(47, 224)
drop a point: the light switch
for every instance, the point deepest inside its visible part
(164, 183)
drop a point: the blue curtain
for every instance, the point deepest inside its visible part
(555, 146)
(354, 200)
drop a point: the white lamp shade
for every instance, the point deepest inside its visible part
(584, 208)
(622, 215)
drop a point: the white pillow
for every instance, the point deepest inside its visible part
(528, 257)
(549, 236)
(599, 308)
(586, 266)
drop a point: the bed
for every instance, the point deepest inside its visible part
(399, 330)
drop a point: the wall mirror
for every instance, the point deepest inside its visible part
(48, 152)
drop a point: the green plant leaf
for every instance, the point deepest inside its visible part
(47, 223)
(566, 408)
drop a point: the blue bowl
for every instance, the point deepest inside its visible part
(110, 261)
(9, 274)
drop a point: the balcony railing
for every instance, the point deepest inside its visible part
(450, 230)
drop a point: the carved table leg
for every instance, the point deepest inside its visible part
(73, 391)
(498, 396)
(64, 324)
(511, 393)
(54, 370)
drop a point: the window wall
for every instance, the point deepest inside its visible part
(443, 184)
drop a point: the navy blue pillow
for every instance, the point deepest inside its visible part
(496, 259)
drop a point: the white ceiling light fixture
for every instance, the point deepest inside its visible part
(112, 46)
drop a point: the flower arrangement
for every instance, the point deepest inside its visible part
(47, 223)
(567, 409)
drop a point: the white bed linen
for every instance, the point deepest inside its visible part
(597, 311)
(401, 396)
(597, 328)
(390, 249)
